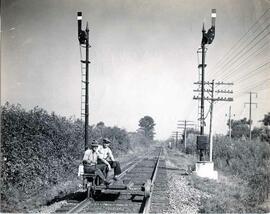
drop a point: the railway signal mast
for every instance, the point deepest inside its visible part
(83, 36)
(207, 38)
(205, 168)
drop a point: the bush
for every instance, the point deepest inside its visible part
(250, 160)
(38, 150)
(41, 150)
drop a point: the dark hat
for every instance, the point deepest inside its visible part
(94, 143)
(106, 141)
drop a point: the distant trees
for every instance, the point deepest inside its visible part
(265, 129)
(256, 132)
(147, 125)
(100, 126)
(266, 119)
(239, 128)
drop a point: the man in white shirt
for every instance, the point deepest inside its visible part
(106, 154)
(90, 162)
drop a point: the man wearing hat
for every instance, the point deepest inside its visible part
(106, 154)
(90, 162)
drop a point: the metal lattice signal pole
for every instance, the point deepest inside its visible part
(87, 86)
(250, 103)
(83, 36)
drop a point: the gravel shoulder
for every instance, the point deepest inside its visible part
(183, 197)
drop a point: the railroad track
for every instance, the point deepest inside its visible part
(146, 193)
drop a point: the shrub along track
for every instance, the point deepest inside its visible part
(150, 170)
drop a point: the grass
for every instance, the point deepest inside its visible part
(244, 174)
(228, 195)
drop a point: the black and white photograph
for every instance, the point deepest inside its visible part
(135, 106)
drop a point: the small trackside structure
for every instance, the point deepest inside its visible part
(205, 169)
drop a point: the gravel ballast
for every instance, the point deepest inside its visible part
(183, 197)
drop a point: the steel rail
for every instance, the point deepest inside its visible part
(147, 203)
(136, 161)
(79, 207)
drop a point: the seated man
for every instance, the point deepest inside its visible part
(90, 159)
(106, 154)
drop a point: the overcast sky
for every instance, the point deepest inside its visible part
(143, 58)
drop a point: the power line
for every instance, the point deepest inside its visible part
(251, 73)
(226, 56)
(254, 86)
(261, 49)
(243, 52)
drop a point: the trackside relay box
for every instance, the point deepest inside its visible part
(202, 141)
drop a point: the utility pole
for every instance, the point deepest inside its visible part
(184, 124)
(250, 103)
(212, 99)
(175, 136)
(83, 36)
(176, 139)
(211, 119)
(230, 122)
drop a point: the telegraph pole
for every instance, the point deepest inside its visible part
(184, 124)
(212, 99)
(83, 36)
(175, 136)
(250, 103)
(211, 119)
(176, 139)
(230, 122)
